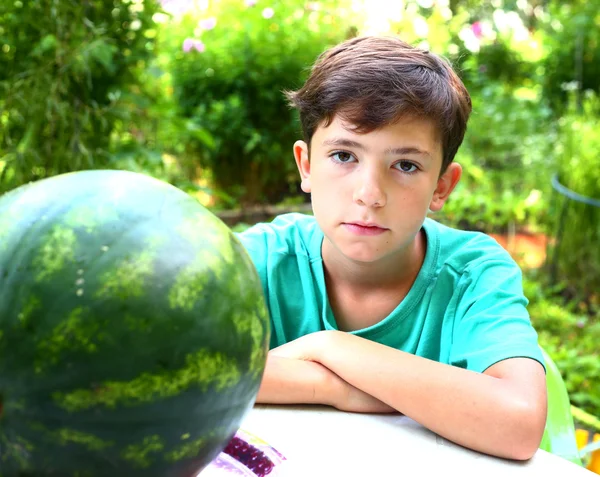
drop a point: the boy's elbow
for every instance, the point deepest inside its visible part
(530, 422)
(526, 450)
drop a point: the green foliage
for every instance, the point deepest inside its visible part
(240, 227)
(508, 129)
(585, 419)
(504, 156)
(576, 227)
(573, 50)
(570, 333)
(578, 146)
(232, 91)
(66, 70)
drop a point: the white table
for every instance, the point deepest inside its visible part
(320, 441)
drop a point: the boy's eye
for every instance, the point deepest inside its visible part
(406, 166)
(342, 157)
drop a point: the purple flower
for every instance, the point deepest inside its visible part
(177, 6)
(190, 43)
(200, 47)
(477, 29)
(580, 323)
(208, 23)
(250, 3)
(268, 13)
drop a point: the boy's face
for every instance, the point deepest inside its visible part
(371, 192)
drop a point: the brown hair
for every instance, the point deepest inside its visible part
(375, 81)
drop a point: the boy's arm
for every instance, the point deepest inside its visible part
(500, 412)
(294, 381)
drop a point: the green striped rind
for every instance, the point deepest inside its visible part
(127, 311)
(128, 278)
(141, 455)
(74, 332)
(89, 441)
(152, 450)
(55, 252)
(203, 369)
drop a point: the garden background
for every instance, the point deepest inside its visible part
(190, 91)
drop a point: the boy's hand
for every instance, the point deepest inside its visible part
(296, 381)
(341, 394)
(352, 399)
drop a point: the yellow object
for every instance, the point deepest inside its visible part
(581, 438)
(594, 464)
(592, 460)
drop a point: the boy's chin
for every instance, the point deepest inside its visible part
(362, 255)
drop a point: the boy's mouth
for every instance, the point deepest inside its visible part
(364, 228)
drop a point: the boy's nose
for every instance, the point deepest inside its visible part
(370, 193)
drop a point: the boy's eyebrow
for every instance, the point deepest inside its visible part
(398, 151)
(402, 151)
(344, 143)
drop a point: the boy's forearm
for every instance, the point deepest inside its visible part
(292, 381)
(296, 381)
(475, 410)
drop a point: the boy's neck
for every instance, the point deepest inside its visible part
(393, 273)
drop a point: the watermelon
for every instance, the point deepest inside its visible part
(133, 329)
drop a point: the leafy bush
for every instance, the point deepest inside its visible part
(570, 333)
(65, 69)
(229, 85)
(573, 50)
(575, 257)
(506, 178)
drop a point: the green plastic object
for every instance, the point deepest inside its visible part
(559, 435)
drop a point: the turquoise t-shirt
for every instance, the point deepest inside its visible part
(466, 307)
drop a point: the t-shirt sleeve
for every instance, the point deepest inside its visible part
(492, 323)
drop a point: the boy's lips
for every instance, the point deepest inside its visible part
(364, 228)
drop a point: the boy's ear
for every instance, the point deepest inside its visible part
(445, 185)
(303, 163)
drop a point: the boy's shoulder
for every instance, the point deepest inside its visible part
(465, 250)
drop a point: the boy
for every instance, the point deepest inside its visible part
(374, 307)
